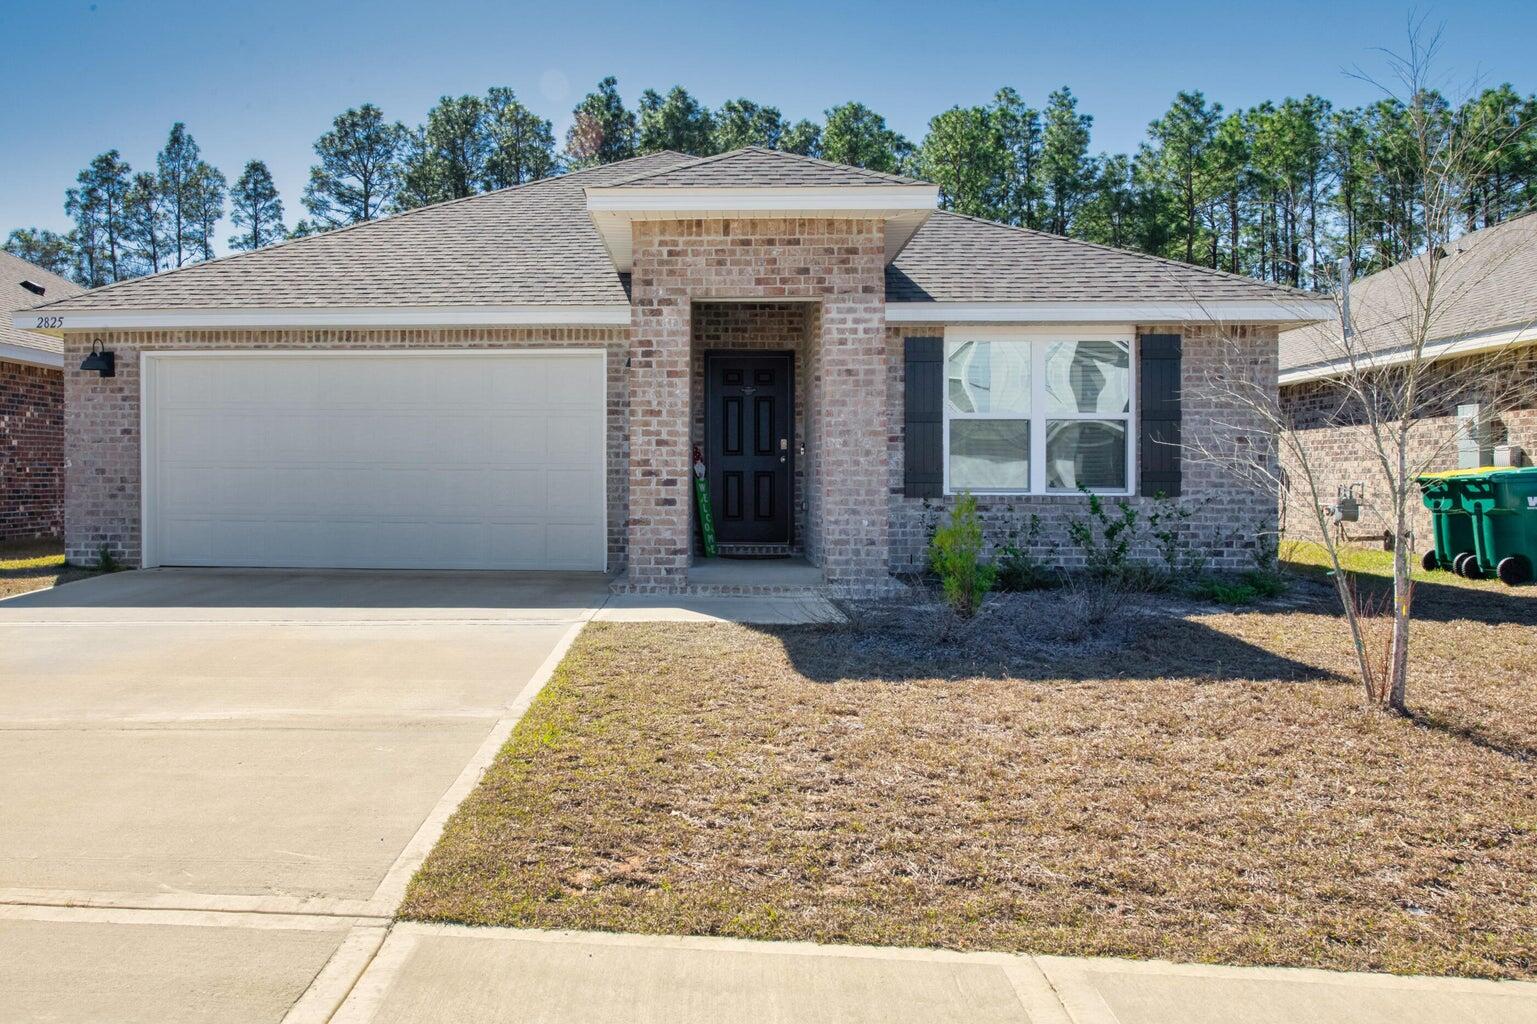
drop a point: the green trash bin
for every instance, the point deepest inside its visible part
(1451, 524)
(1503, 507)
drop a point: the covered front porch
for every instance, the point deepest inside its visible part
(760, 346)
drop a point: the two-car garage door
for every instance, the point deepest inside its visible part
(462, 460)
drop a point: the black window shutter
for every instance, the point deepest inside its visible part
(923, 468)
(1158, 407)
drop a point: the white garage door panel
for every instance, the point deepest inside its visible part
(365, 460)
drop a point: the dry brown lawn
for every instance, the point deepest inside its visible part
(34, 565)
(1204, 788)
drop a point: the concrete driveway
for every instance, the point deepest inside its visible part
(226, 777)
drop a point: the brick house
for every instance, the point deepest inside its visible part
(1483, 361)
(31, 408)
(517, 381)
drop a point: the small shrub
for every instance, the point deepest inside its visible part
(1104, 539)
(955, 555)
(106, 561)
(1018, 570)
(1210, 588)
(1265, 582)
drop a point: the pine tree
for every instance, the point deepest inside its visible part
(964, 156)
(1067, 172)
(741, 122)
(146, 228)
(205, 206)
(602, 130)
(256, 207)
(803, 138)
(47, 249)
(1019, 135)
(359, 170)
(176, 164)
(1182, 140)
(858, 136)
(676, 122)
(446, 157)
(520, 144)
(98, 205)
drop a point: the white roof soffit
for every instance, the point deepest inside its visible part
(612, 315)
(613, 208)
(1280, 311)
(30, 356)
(1481, 343)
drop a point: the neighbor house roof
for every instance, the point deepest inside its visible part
(534, 249)
(23, 345)
(758, 167)
(1486, 288)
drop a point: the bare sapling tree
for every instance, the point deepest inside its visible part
(1394, 362)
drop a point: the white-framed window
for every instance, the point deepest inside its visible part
(1040, 410)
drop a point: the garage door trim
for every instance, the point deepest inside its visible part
(149, 360)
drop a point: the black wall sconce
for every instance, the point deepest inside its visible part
(100, 360)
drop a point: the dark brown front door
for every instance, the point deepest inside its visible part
(748, 447)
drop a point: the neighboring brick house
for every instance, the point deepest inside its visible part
(1481, 354)
(31, 408)
(517, 381)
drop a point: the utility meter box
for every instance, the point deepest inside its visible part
(1474, 445)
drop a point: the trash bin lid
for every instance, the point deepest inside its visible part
(1448, 474)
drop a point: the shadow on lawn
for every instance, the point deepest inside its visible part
(1154, 646)
(1490, 605)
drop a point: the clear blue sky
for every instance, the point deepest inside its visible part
(264, 78)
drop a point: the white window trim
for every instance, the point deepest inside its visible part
(1040, 339)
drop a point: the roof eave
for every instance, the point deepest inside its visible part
(259, 318)
(1481, 343)
(1184, 311)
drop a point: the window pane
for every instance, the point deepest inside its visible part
(1085, 453)
(989, 377)
(1088, 376)
(990, 455)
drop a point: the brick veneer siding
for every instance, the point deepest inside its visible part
(31, 452)
(1341, 452)
(102, 486)
(762, 327)
(839, 264)
(1228, 510)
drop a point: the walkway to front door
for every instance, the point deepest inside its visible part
(749, 445)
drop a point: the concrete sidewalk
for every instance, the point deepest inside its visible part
(424, 973)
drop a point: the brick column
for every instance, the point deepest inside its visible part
(850, 406)
(660, 345)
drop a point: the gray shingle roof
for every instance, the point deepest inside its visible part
(757, 167)
(13, 296)
(531, 243)
(954, 258)
(1486, 281)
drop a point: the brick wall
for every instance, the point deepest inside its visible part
(838, 263)
(1228, 510)
(1340, 450)
(102, 486)
(31, 452)
(756, 326)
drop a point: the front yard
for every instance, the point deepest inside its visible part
(1192, 785)
(34, 565)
